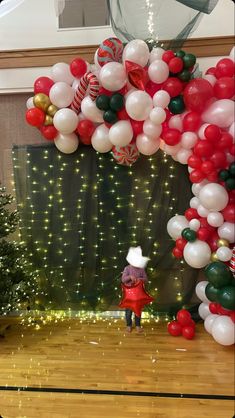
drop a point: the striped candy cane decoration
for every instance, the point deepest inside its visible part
(232, 262)
(89, 80)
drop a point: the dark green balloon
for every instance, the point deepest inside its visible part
(212, 292)
(176, 105)
(189, 60)
(185, 230)
(185, 75)
(218, 274)
(190, 235)
(226, 297)
(117, 102)
(223, 175)
(102, 102)
(180, 54)
(230, 183)
(110, 116)
(232, 169)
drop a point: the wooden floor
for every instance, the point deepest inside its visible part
(88, 369)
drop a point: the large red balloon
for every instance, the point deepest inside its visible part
(194, 161)
(207, 167)
(135, 297)
(180, 243)
(183, 317)
(212, 133)
(196, 176)
(229, 213)
(177, 253)
(78, 67)
(85, 128)
(225, 142)
(174, 328)
(191, 213)
(188, 332)
(43, 85)
(171, 136)
(191, 121)
(173, 86)
(224, 68)
(224, 88)
(35, 116)
(219, 159)
(203, 234)
(49, 132)
(197, 94)
(203, 148)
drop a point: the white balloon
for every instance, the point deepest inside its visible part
(175, 226)
(220, 113)
(157, 115)
(227, 231)
(214, 197)
(100, 139)
(224, 253)
(196, 187)
(30, 103)
(113, 76)
(66, 143)
(190, 169)
(209, 321)
(232, 54)
(90, 111)
(156, 54)
(183, 155)
(175, 122)
(194, 224)
(210, 78)
(147, 145)
(138, 105)
(194, 202)
(202, 211)
(200, 291)
(231, 131)
(215, 219)
(229, 157)
(197, 254)
(150, 129)
(201, 131)
(76, 83)
(65, 121)
(61, 94)
(136, 51)
(96, 60)
(61, 72)
(169, 149)
(121, 133)
(188, 140)
(161, 99)
(204, 310)
(158, 71)
(223, 330)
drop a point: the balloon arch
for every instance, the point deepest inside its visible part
(134, 101)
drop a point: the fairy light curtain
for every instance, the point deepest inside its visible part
(81, 212)
(167, 21)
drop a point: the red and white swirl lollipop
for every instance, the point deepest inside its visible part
(127, 155)
(89, 80)
(109, 50)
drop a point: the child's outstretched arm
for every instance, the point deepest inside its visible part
(126, 278)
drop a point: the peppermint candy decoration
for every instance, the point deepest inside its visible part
(88, 81)
(127, 155)
(110, 50)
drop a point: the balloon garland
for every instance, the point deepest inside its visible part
(133, 101)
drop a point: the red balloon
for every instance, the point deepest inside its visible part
(212, 241)
(203, 234)
(174, 328)
(78, 67)
(180, 243)
(192, 323)
(85, 128)
(151, 88)
(212, 176)
(232, 316)
(86, 140)
(197, 93)
(183, 317)
(212, 133)
(224, 68)
(43, 85)
(173, 86)
(225, 142)
(191, 213)
(188, 332)
(204, 224)
(137, 126)
(213, 306)
(194, 161)
(224, 88)
(223, 311)
(219, 159)
(211, 71)
(191, 121)
(229, 213)
(171, 136)
(232, 150)
(175, 65)
(207, 167)
(49, 132)
(203, 148)
(135, 297)
(168, 55)
(122, 114)
(35, 116)
(177, 253)
(196, 176)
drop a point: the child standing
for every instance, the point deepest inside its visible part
(133, 272)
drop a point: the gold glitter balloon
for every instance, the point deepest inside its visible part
(48, 120)
(214, 257)
(52, 109)
(222, 243)
(41, 101)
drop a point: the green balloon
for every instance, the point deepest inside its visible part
(232, 169)
(117, 101)
(110, 116)
(212, 292)
(223, 175)
(185, 230)
(189, 60)
(226, 297)
(218, 274)
(185, 75)
(180, 54)
(230, 183)
(190, 235)
(102, 102)
(176, 105)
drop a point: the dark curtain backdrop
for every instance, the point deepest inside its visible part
(81, 212)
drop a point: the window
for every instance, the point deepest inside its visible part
(82, 13)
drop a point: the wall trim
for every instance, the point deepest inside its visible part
(45, 57)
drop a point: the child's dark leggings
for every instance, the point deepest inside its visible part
(129, 318)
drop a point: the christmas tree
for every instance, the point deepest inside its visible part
(18, 281)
